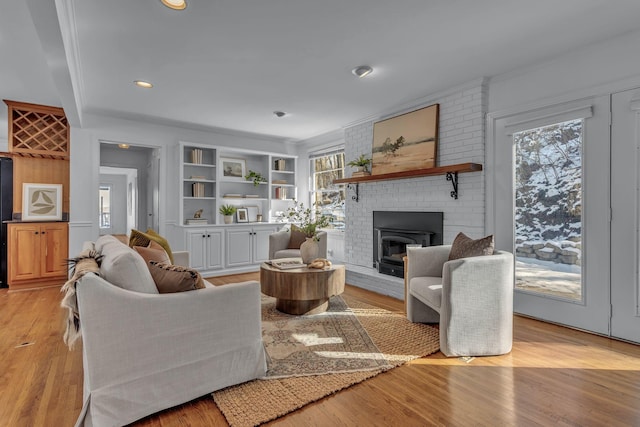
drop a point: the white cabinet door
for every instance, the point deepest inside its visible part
(213, 244)
(197, 251)
(205, 249)
(261, 243)
(239, 247)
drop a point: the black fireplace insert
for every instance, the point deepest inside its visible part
(393, 231)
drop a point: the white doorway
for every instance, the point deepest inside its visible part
(142, 192)
(548, 188)
(118, 200)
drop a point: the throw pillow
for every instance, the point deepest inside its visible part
(173, 278)
(138, 238)
(464, 246)
(297, 238)
(153, 252)
(124, 267)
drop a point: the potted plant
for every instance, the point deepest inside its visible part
(309, 225)
(255, 176)
(361, 164)
(227, 211)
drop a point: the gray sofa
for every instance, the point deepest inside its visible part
(144, 351)
(471, 298)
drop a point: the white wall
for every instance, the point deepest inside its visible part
(461, 139)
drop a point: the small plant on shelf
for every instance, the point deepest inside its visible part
(227, 210)
(361, 163)
(255, 176)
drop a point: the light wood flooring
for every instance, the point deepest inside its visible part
(553, 376)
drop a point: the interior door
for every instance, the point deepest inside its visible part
(625, 182)
(550, 188)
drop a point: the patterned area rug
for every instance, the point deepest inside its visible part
(395, 341)
(325, 343)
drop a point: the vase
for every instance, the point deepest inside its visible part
(228, 219)
(309, 250)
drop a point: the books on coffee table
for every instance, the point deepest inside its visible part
(287, 263)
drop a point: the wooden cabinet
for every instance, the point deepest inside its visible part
(247, 245)
(37, 254)
(205, 248)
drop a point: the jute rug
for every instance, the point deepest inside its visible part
(397, 340)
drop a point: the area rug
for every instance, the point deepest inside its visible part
(397, 340)
(326, 343)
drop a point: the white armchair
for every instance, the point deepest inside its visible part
(279, 243)
(471, 298)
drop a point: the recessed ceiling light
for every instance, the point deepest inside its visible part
(279, 113)
(143, 84)
(123, 146)
(362, 71)
(175, 4)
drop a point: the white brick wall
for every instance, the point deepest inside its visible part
(461, 140)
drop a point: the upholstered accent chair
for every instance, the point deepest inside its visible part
(471, 298)
(279, 246)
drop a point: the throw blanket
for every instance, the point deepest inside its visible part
(87, 262)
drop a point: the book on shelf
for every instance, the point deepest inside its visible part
(196, 221)
(279, 181)
(280, 164)
(196, 156)
(198, 177)
(198, 189)
(287, 263)
(233, 196)
(281, 193)
(251, 196)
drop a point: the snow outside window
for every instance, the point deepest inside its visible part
(327, 198)
(548, 209)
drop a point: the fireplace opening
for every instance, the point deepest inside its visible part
(393, 232)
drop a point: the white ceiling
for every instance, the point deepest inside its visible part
(231, 63)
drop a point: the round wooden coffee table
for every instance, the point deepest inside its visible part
(302, 290)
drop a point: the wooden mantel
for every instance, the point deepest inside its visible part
(451, 171)
(440, 170)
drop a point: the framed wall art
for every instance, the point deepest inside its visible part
(406, 142)
(41, 202)
(233, 168)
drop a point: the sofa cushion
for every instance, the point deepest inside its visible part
(463, 246)
(124, 267)
(153, 252)
(297, 238)
(174, 278)
(138, 238)
(428, 290)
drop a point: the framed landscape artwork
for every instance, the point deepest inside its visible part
(41, 202)
(406, 142)
(233, 168)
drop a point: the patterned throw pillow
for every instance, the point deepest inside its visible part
(138, 238)
(297, 238)
(464, 246)
(174, 278)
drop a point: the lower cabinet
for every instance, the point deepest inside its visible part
(247, 245)
(234, 248)
(37, 254)
(205, 248)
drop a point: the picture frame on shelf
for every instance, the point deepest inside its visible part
(233, 168)
(242, 215)
(41, 202)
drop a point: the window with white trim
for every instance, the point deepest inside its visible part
(328, 198)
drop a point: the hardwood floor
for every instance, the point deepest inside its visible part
(553, 376)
